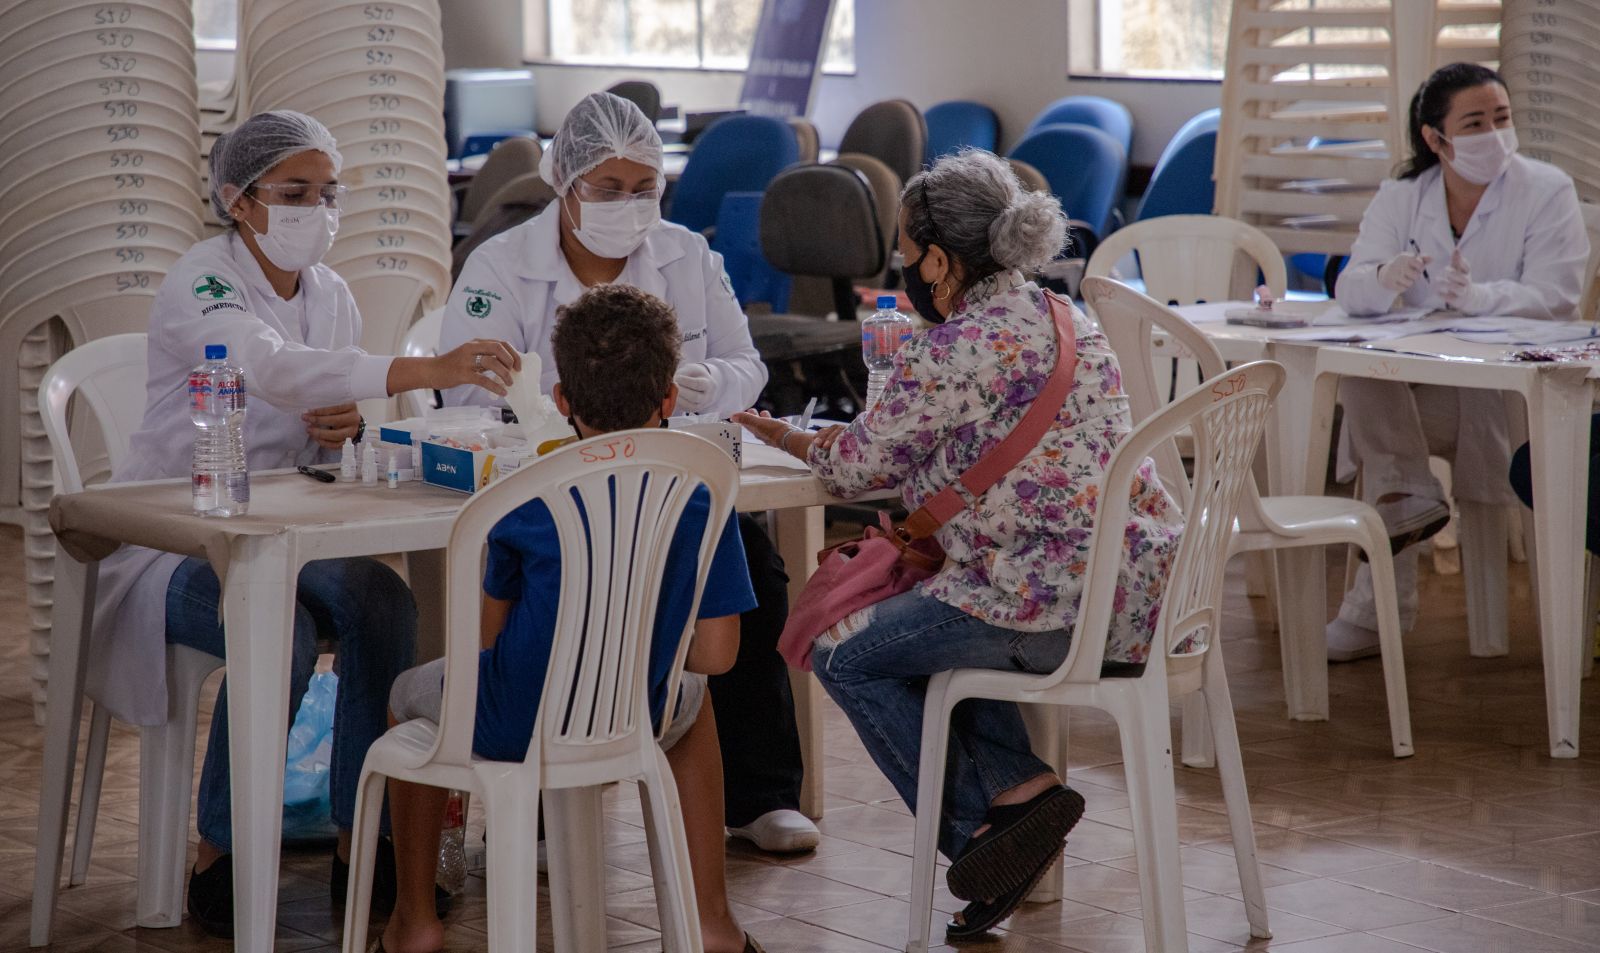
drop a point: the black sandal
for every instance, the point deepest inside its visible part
(1019, 839)
(979, 917)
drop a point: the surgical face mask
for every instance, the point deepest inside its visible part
(297, 236)
(1481, 157)
(616, 229)
(920, 293)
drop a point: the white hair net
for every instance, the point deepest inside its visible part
(602, 126)
(240, 157)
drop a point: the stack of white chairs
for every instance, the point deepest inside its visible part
(373, 73)
(1550, 58)
(99, 195)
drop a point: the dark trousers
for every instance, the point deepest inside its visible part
(1522, 483)
(761, 766)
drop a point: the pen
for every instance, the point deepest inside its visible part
(1419, 255)
(320, 475)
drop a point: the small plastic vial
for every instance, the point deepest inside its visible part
(349, 470)
(369, 463)
(416, 459)
(392, 473)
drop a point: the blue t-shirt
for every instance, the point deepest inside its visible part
(524, 566)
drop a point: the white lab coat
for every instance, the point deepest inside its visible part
(1527, 244)
(512, 284)
(297, 355)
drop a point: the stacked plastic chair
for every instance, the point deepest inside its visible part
(1313, 106)
(1550, 58)
(374, 75)
(99, 195)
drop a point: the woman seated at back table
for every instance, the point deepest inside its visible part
(1007, 596)
(290, 322)
(1469, 226)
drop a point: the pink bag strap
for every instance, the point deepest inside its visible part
(1020, 442)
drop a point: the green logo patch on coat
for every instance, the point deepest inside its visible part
(212, 288)
(478, 306)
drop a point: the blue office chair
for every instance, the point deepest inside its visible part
(1087, 170)
(738, 241)
(736, 154)
(1181, 183)
(1106, 115)
(955, 125)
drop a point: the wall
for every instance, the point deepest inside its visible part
(926, 51)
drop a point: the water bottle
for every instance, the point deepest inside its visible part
(220, 479)
(452, 875)
(881, 336)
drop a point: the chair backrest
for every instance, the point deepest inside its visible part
(1086, 169)
(642, 93)
(108, 374)
(616, 501)
(1106, 115)
(893, 132)
(1182, 183)
(822, 220)
(738, 241)
(517, 201)
(885, 196)
(422, 340)
(513, 157)
(806, 137)
(1589, 303)
(1032, 179)
(1197, 125)
(958, 124)
(1187, 259)
(1227, 416)
(736, 154)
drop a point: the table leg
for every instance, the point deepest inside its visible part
(799, 534)
(72, 617)
(425, 576)
(258, 628)
(1559, 406)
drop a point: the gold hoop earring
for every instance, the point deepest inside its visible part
(947, 295)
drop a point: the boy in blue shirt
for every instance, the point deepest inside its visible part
(616, 349)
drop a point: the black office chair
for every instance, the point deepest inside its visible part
(818, 221)
(642, 93)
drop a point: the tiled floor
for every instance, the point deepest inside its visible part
(1478, 843)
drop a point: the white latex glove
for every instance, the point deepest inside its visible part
(1458, 289)
(696, 387)
(1402, 271)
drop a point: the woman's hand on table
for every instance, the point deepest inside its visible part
(330, 426)
(776, 432)
(488, 364)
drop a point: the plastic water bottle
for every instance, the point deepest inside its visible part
(219, 478)
(452, 874)
(881, 336)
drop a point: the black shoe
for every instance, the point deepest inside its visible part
(1019, 838)
(211, 897)
(383, 883)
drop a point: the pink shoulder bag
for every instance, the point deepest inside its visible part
(888, 560)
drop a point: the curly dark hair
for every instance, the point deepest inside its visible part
(616, 350)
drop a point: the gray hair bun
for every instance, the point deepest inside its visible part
(1029, 232)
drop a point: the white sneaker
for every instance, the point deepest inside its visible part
(1348, 642)
(1412, 519)
(780, 832)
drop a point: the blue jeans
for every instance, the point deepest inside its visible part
(361, 605)
(879, 676)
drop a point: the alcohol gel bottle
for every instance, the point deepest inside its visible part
(220, 478)
(881, 336)
(452, 874)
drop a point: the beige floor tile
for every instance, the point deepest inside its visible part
(1310, 854)
(1470, 934)
(1214, 870)
(1565, 917)
(1124, 934)
(1347, 906)
(1440, 886)
(1345, 943)
(1223, 919)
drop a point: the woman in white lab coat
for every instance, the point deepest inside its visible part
(1469, 226)
(605, 164)
(290, 322)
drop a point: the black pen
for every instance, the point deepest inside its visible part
(320, 475)
(1419, 255)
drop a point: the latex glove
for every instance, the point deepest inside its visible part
(1458, 289)
(1402, 271)
(696, 387)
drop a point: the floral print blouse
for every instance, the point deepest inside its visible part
(1017, 559)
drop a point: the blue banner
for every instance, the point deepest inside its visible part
(784, 57)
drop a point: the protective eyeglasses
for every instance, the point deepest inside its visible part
(303, 195)
(588, 192)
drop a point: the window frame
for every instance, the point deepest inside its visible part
(1084, 24)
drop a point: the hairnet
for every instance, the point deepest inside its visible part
(240, 157)
(602, 126)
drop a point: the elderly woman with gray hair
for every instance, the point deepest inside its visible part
(1007, 595)
(260, 291)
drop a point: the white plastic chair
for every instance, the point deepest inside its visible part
(1227, 421)
(593, 726)
(108, 374)
(1265, 523)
